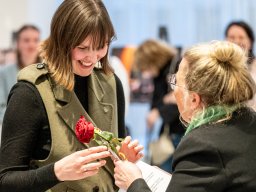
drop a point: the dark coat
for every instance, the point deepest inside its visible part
(215, 158)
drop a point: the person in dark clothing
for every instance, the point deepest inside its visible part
(157, 58)
(39, 147)
(218, 152)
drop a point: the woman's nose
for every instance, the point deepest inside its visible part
(94, 56)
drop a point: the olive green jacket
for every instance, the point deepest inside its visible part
(64, 109)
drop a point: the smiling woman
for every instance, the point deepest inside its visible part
(39, 149)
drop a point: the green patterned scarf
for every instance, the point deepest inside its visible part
(211, 114)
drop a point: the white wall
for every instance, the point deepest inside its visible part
(188, 21)
(15, 13)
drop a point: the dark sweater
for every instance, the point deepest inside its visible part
(26, 136)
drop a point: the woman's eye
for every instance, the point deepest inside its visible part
(103, 46)
(83, 48)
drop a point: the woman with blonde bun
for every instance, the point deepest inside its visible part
(218, 151)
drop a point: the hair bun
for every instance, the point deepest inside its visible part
(228, 53)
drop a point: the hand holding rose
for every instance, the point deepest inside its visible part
(81, 164)
(127, 149)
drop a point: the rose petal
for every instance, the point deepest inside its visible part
(84, 130)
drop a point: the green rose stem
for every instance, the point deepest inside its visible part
(106, 138)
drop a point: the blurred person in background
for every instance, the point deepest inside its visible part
(241, 33)
(122, 74)
(26, 53)
(28, 39)
(155, 57)
(218, 151)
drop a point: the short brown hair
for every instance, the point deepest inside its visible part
(73, 21)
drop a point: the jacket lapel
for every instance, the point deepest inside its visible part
(100, 108)
(72, 110)
(101, 112)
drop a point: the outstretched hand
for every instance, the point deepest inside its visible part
(131, 149)
(81, 164)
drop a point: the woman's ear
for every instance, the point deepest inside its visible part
(195, 101)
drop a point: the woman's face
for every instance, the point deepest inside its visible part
(84, 57)
(239, 36)
(28, 43)
(181, 94)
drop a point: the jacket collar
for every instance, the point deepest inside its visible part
(64, 95)
(72, 109)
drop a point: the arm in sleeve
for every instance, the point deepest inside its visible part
(160, 89)
(25, 115)
(120, 108)
(139, 185)
(198, 167)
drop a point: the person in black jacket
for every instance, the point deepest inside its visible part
(217, 153)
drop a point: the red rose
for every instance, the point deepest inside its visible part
(84, 130)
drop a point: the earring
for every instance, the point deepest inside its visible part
(183, 122)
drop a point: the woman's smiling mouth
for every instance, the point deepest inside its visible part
(84, 64)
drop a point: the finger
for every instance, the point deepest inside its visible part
(120, 184)
(92, 166)
(139, 156)
(118, 177)
(138, 148)
(127, 140)
(90, 173)
(133, 144)
(91, 150)
(93, 157)
(118, 147)
(117, 163)
(113, 158)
